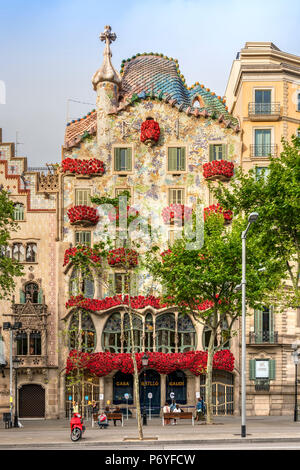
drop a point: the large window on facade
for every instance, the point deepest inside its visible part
(217, 152)
(165, 333)
(29, 343)
(264, 325)
(31, 252)
(137, 324)
(82, 197)
(83, 237)
(86, 280)
(123, 159)
(18, 252)
(82, 333)
(262, 101)
(111, 338)
(186, 334)
(18, 211)
(176, 159)
(176, 196)
(32, 292)
(262, 142)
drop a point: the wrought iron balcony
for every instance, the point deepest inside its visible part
(264, 111)
(263, 337)
(262, 385)
(265, 151)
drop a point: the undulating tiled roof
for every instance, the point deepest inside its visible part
(158, 77)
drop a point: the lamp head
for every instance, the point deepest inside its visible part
(252, 217)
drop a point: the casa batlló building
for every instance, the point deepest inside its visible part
(160, 141)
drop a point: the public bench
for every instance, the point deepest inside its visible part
(178, 416)
(110, 417)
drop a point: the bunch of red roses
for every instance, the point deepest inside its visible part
(150, 130)
(82, 213)
(217, 209)
(95, 305)
(176, 213)
(218, 167)
(72, 253)
(103, 363)
(83, 167)
(122, 256)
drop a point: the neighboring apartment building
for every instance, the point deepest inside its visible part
(34, 302)
(263, 92)
(194, 128)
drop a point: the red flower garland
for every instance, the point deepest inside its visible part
(102, 363)
(218, 167)
(83, 213)
(71, 253)
(217, 209)
(150, 130)
(175, 213)
(115, 216)
(83, 167)
(120, 255)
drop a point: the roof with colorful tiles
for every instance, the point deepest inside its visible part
(155, 76)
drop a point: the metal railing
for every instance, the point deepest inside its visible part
(263, 150)
(262, 385)
(265, 109)
(263, 337)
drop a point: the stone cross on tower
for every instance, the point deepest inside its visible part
(107, 35)
(106, 73)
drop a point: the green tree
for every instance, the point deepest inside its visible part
(202, 281)
(9, 267)
(275, 195)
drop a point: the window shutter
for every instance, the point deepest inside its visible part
(211, 153)
(117, 159)
(128, 159)
(224, 151)
(182, 159)
(22, 297)
(272, 369)
(252, 363)
(172, 159)
(258, 326)
(40, 296)
(271, 323)
(133, 284)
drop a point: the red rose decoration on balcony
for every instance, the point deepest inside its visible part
(176, 214)
(217, 209)
(150, 132)
(85, 215)
(122, 256)
(114, 215)
(83, 167)
(218, 169)
(72, 253)
(103, 363)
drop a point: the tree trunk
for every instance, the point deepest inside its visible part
(135, 377)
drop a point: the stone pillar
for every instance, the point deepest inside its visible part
(163, 396)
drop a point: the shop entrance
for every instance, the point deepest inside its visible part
(151, 392)
(222, 392)
(176, 387)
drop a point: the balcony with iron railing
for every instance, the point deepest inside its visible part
(263, 337)
(265, 151)
(264, 111)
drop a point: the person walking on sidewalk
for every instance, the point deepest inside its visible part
(200, 409)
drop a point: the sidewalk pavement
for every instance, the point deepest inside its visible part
(56, 433)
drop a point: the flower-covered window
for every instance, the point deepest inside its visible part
(165, 333)
(111, 338)
(82, 333)
(186, 334)
(87, 284)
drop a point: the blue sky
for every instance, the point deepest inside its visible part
(50, 50)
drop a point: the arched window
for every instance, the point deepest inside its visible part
(165, 333)
(87, 287)
(18, 252)
(186, 334)
(35, 343)
(18, 211)
(111, 338)
(149, 332)
(32, 292)
(31, 251)
(137, 333)
(82, 333)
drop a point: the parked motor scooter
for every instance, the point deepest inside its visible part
(77, 427)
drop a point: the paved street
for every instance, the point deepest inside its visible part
(262, 432)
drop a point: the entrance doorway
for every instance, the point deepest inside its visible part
(176, 387)
(32, 401)
(151, 391)
(222, 392)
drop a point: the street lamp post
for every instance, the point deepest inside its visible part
(16, 361)
(145, 361)
(252, 218)
(295, 355)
